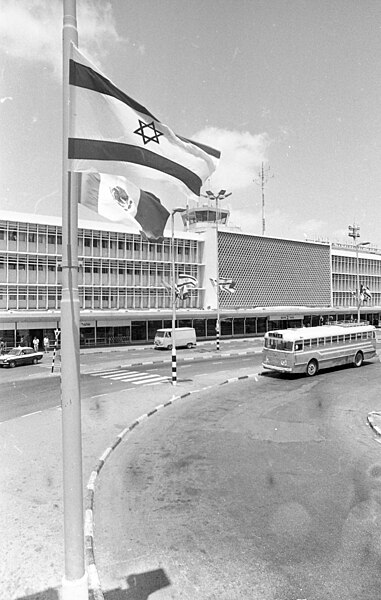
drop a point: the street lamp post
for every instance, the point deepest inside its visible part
(220, 196)
(354, 233)
(173, 293)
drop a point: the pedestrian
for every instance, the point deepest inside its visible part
(2, 346)
(36, 343)
(46, 344)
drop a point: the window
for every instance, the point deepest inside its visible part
(298, 346)
(321, 341)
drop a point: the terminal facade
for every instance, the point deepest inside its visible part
(279, 282)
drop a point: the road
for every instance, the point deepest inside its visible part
(29, 389)
(267, 489)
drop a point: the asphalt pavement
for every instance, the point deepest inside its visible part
(31, 502)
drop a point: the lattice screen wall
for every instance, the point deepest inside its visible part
(274, 272)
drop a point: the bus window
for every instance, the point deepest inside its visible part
(328, 340)
(314, 342)
(347, 337)
(298, 346)
(341, 339)
(358, 336)
(321, 341)
(334, 339)
(307, 344)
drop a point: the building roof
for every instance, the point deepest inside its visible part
(87, 221)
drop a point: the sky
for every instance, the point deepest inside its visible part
(291, 84)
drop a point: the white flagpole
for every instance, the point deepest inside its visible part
(74, 582)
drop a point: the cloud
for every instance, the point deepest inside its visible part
(32, 29)
(241, 155)
(278, 223)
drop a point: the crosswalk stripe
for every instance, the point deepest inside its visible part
(146, 381)
(108, 372)
(135, 377)
(142, 376)
(120, 374)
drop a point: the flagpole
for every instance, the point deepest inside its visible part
(74, 582)
(220, 196)
(217, 280)
(173, 293)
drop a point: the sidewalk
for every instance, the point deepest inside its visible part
(31, 505)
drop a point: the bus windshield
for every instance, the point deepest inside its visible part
(278, 344)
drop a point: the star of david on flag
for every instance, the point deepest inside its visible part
(145, 137)
(112, 133)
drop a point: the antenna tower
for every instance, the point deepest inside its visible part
(263, 177)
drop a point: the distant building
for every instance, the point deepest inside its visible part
(279, 282)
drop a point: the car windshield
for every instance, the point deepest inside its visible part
(14, 351)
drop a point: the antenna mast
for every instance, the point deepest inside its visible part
(263, 177)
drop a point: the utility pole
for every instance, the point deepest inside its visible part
(354, 233)
(263, 177)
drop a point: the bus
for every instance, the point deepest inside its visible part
(309, 349)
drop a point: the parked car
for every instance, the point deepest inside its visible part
(20, 356)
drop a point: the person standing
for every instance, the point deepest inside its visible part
(36, 343)
(46, 344)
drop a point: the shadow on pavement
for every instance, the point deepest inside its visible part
(50, 594)
(140, 586)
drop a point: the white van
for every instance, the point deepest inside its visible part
(184, 337)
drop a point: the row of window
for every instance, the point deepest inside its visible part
(275, 343)
(334, 339)
(347, 264)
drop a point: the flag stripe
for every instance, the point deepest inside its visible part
(85, 77)
(85, 149)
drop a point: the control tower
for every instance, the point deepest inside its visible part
(203, 215)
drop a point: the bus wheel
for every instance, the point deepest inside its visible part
(359, 359)
(312, 368)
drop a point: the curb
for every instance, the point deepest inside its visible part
(94, 584)
(374, 421)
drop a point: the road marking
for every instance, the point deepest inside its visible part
(135, 377)
(118, 374)
(32, 413)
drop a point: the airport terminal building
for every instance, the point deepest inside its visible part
(279, 282)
